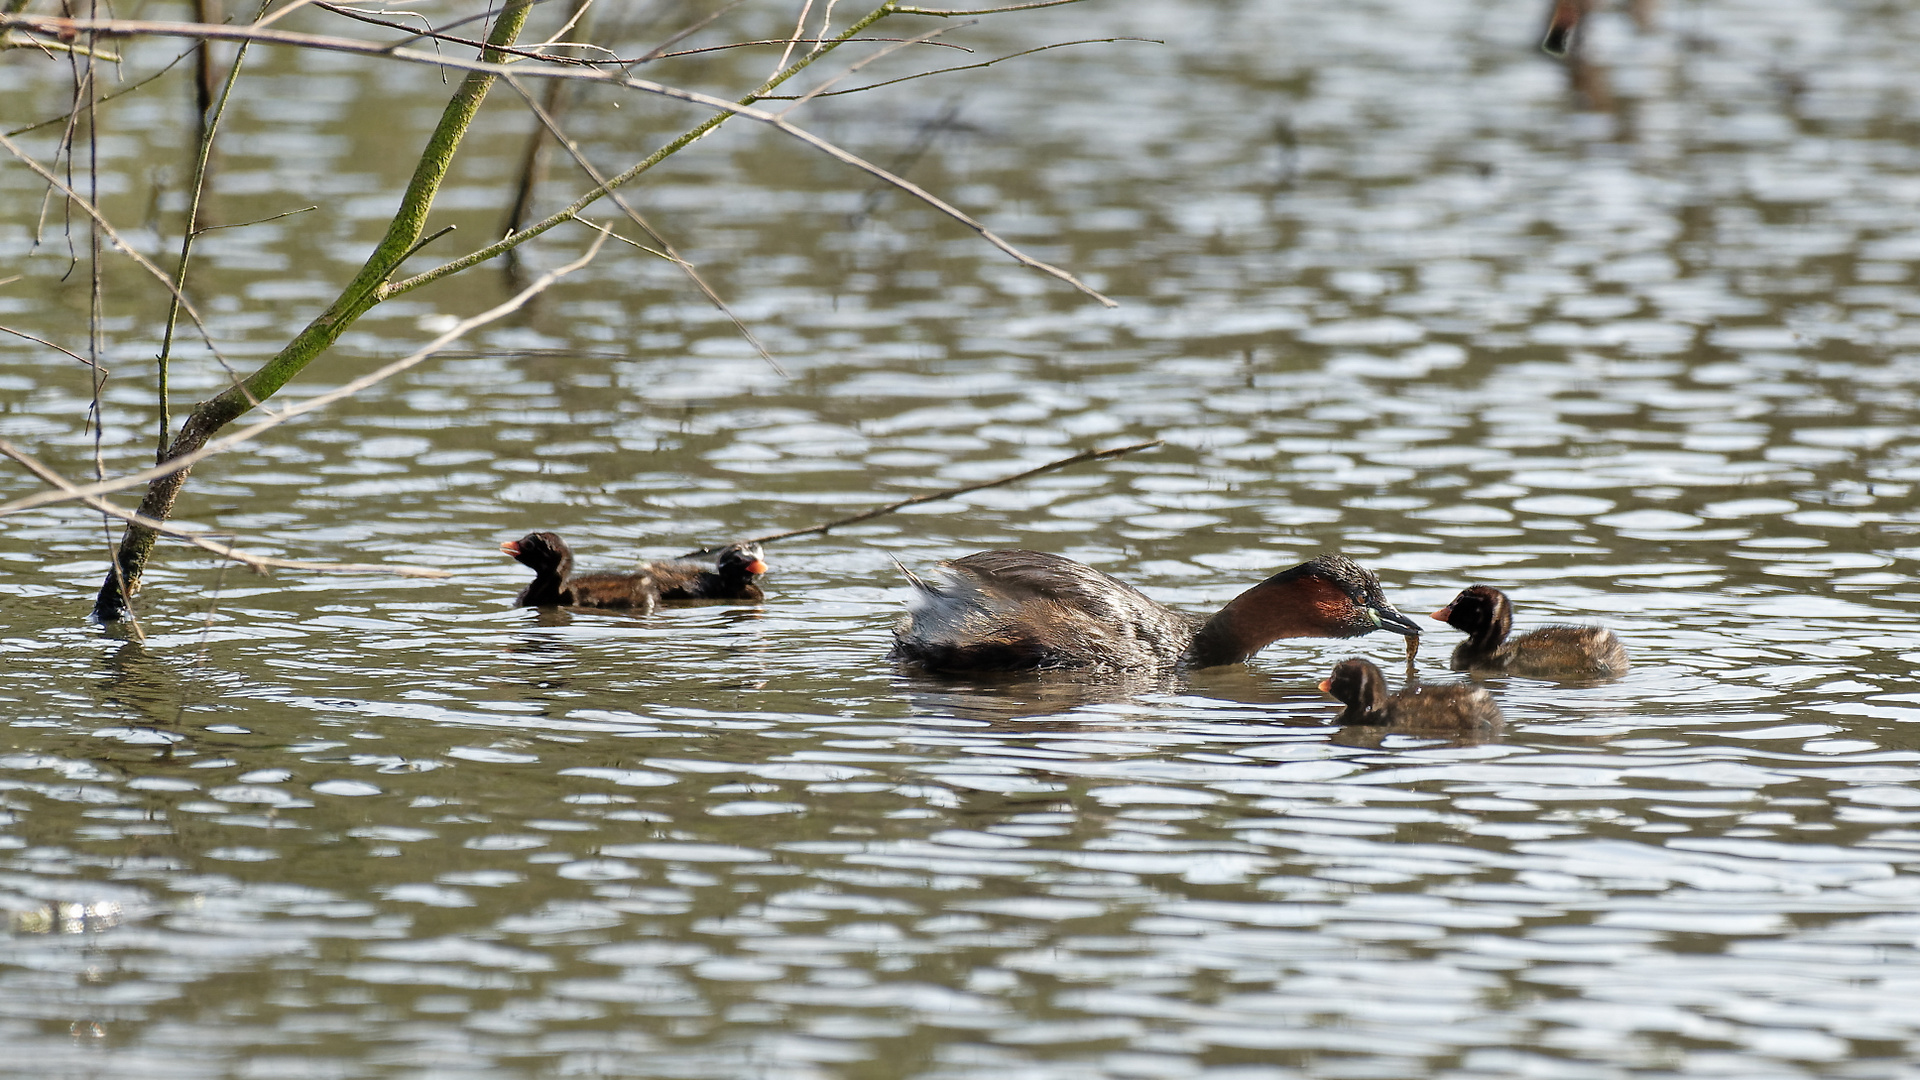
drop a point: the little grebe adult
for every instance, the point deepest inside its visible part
(555, 586)
(1448, 709)
(1019, 610)
(1551, 652)
(734, 575)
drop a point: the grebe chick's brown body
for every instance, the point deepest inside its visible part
(733, 575)
(1419, 709)
(1565, 653)
(1025, 610)
(554, 584)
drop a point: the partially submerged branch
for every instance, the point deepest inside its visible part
(377, 280)
(360, 295)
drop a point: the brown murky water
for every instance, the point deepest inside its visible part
(1385, 290)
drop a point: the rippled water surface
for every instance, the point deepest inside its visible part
(1387, 287)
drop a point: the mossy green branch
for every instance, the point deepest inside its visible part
(408, 224)
(362, 293)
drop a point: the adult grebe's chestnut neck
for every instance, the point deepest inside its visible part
(1331, 596)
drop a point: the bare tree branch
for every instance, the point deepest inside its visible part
(126, 27)
(683, 34)
(25, 41)
(41, 340)
(120, 93)
(783, 41)
(215, 446)
(673, 256)
(961, 67)
(198, 538)
(93, 212)
(865, 515)
(799, 31)
(865, 60)
(903, 9)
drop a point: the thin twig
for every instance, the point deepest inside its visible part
(963, 67)
(681, 35)
(902, 9)
(163, 363)
(123, 92)
(573, 20)
(692, 272)
(1088, 455)
(256, 221)
(826, 24)
(611, 235)
(865, 60)
(269, 20)
(63, 146)
(799, 30)
(420, 243)
(93, 212)
(198, 538)
(171, 29)
(186, 461)
(821, 41)
(27, 41)
(525, 51)
(43, 341)
(487, 11)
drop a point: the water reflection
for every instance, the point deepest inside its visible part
(994, 697)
